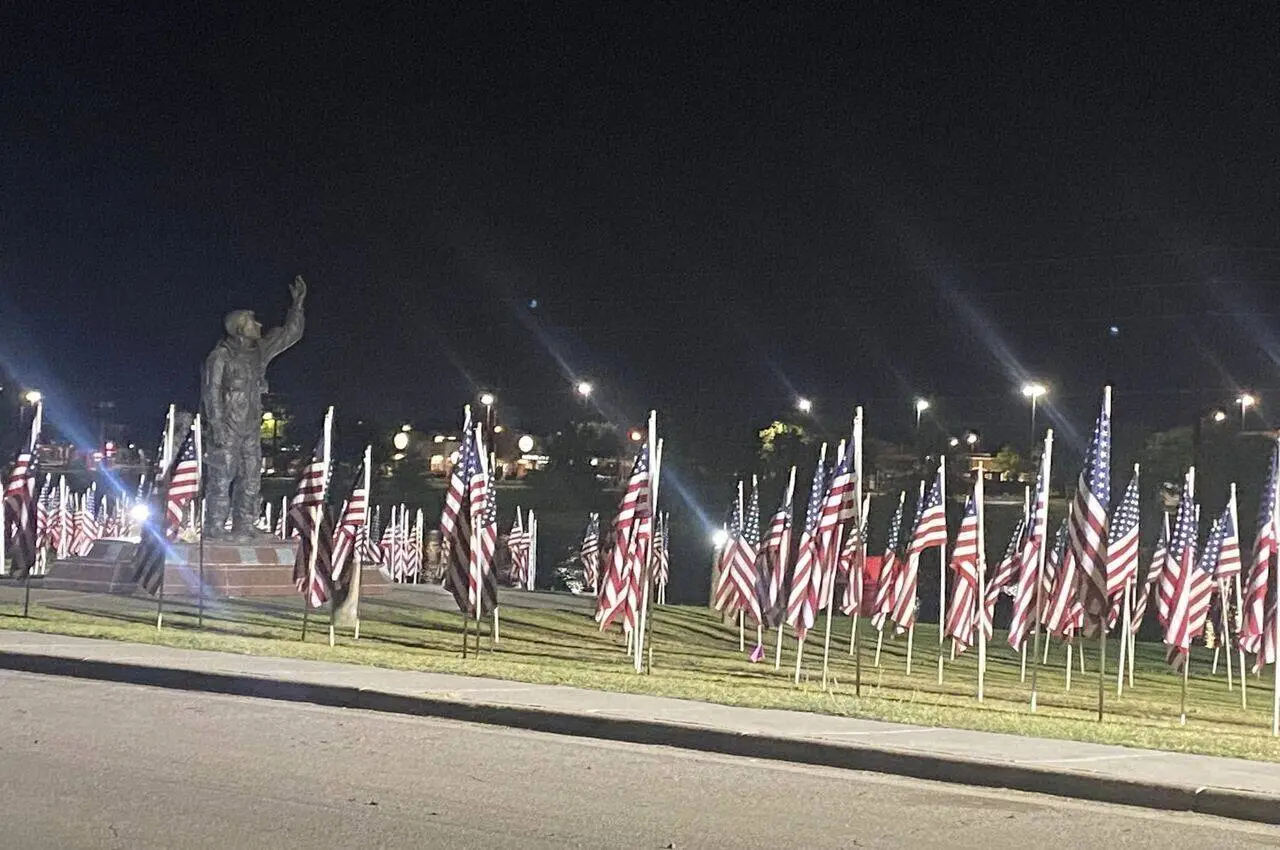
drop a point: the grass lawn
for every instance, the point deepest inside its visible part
(697, 657)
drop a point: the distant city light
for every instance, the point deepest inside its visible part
(406, 427)
(1114, 330)
(804, 405)
(525, 443)
(971, 438)
(438, 438)
(498, 429)
(1219, 416)
(400, 441)
(953, 442)
(636, 435)
(268, 416)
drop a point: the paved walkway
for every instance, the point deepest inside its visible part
(1092, 771)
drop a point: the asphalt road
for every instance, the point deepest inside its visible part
(96, 765)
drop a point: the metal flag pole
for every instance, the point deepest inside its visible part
(784, 554)
(1105, 610)
(1184, 601)
(979, 496)
(1046, 465)
(942, 569)
(857, 569)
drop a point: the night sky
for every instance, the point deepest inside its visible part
(712, 212)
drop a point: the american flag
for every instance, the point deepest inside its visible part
(387, 545)
(1027, 592)
(589, 551)
(1228, 564)
(837, 507)
(853, 565)
(1159, 560)
(1265, 544)
(18, 511)
(776, 552)
(184, 483)
(961, 616)
(1088, 527)
(929, 531)
(518, 548)
(1064, 613)
(617, 580)
(801, 603)
(1194, 584)
(726, 595)
(89, 527)
(743, 561)
(366, 547)
(474, 528)
(351, 526)
(889, 566)
(662, 550)
(1171, 575)
(1005, 573)
(1122, 547)
(43, 504)
(306, 507)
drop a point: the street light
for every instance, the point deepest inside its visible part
(1219, 416)
(33, 396)
(953, 442)
(636, 435)
(487, 399)
(922, 404)
(584, 389)
(804, 405)
(971, 438)
(1034, 391)
(1245, 401)
(400, 441)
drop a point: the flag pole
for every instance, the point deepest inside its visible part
(1046, 465)
(1182, 581)
(1106, 601)
(1125, 627)
(197, 505)
(830, 596)
(781, 567)
(858, 568)
(647, 616)
(1275, 625)
(646, 569)
(166, 468)
(980, 495)
(942, 569)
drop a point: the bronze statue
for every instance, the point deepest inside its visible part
(231, 390)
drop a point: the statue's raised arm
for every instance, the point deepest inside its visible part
(277, 340)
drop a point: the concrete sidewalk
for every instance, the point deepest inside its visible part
(1232, 788)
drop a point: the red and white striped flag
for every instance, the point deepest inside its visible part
(801, 604)
(1028, 590)
(961, 621)
(1265, 544)
(1089, 516)
(1193, 588)
(929, 532)
(776, 552)
(616, 581)
(313, 563)
(889, 566)
(1122, 547)
(518, 550)
(353, 522)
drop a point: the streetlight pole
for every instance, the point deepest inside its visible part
(1245, 401)
(1034, 391)
(922, 404)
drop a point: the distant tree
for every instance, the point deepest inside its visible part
(1007, 463)
(1165, 458)
(783, 445)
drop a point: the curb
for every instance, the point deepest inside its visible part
(1219, 802)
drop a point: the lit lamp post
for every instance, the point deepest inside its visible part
(584, 389)
(804, 405)
(1219, 416)
(1034, 391)
(922, 404)
(1245, 401)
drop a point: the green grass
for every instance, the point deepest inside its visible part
(696, 657)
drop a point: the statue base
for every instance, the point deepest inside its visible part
(230, 570)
